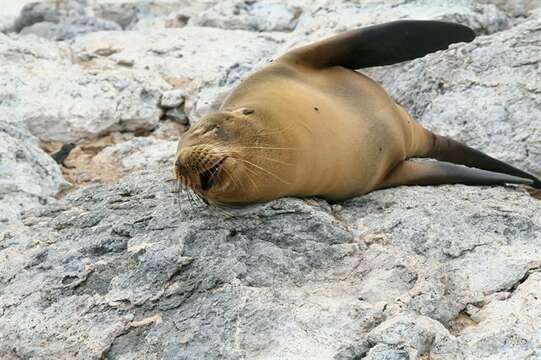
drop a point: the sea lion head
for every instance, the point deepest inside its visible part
(224, 158)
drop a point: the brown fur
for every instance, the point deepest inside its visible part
(304, 127)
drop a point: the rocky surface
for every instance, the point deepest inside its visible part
(125, 271)
(28, 175)
(122, 266)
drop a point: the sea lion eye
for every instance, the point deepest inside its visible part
(247, 111)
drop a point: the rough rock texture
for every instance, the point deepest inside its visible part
(61, 101)
(139, 153)
(69, 29)
(202, 71)
(28, 176)
(125, 271)
(250, 15)
(515, 7)
(136, 270)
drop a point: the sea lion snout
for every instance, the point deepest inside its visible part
(200, 167)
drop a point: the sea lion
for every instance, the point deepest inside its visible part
(308, 124)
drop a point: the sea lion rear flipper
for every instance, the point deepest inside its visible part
(382, 44)
(446, 149)
(411, 172)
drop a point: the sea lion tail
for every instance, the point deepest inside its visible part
(446, 149)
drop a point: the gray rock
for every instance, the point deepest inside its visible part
(172, 98)
(68, 29)
(414, 336)
(183, 62)
(250, 15)
(28, 176)
(138, 153)
(178, 115)
(126, 270)
(6, 23)
(61, 101)
(142, 14)
(37, 12)
(41, 29)
(515, 7)
(510, 325)
(493, 87)
(61, 20)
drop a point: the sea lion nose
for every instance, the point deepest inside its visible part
(182, 161)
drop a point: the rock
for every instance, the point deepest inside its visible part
(6, 24)
(10, 12)
(61, 101)
(177, 115)
(138, 153)
(515, 7)
(41, 29)
(28, 176)
(507, 327)
(172, 98)
(412, 335)
(141, 14)
(71, 28)
(250, 15)
(36, 12)
(137, 270)
(183, 62)
(61, 20)
(493, 89)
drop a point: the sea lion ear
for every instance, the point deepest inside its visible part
(382, 44)
(244, 110)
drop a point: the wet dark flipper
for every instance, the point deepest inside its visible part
(382, 44)
(411, 172)
(446, 149)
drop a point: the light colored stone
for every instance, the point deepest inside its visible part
(61, 101)
(28, 176)
(250, 15)
(138, 153)
(183, 62)
(414, 335)
(515, 7)
(507, 328)
(285, 278)
(172, 98)
(142, 14)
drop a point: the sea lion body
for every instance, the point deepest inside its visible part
(308, 124)
(346, 131)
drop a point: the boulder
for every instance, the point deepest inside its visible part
(135, 269)
(28, 176)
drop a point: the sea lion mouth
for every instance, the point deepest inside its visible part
(211, 176)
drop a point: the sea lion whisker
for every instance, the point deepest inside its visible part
(233, 177)
(266, 147)
(273, 160)
(249, 178)
(263, 169)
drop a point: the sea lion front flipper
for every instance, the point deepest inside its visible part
(412, 172)
(382, 44)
